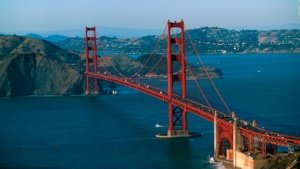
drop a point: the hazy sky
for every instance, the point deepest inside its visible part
(46, 15)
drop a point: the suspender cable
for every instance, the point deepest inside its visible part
(207, 74)
(198, 85)
(151, 54)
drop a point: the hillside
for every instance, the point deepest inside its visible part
(126, 66)
(35, 67)
(207, 40)
(30, 66)
(20, 44)
(119, 65)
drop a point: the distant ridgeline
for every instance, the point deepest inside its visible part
(30, 66)
(207, 40)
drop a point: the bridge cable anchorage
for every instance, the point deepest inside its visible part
(151, 54)
(207, 74)
(198, 85)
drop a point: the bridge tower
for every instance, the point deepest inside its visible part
(177, 116)
(91, 56)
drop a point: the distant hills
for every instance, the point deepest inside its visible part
(51, 38)
(37, 65)
(101, 30)
(207, 40)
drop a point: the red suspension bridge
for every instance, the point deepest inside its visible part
(230, 133)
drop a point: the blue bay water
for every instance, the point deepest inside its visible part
(119, 131)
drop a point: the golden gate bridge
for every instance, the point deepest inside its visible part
(231, 134)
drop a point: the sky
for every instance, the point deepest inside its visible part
(54, 15)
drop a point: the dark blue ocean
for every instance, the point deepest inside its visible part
(118, 131)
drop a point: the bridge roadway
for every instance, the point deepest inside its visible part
(224, 120)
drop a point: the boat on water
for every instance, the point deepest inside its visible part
(113, 92)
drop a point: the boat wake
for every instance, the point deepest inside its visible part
(159, 125)
(215, 164)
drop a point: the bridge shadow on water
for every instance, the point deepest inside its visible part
(134, 133)
(180, 152)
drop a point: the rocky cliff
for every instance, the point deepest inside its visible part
(36, 67)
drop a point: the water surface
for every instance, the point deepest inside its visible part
(119, 131)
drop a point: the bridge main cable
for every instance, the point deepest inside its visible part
(151, 54)
(207, 74)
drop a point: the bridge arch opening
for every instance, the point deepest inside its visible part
(225, 143)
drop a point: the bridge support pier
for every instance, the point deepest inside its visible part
(235, 141)
(226, 139)
(177, 117)
(216, 134)
(91, 50)
(263, 148)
